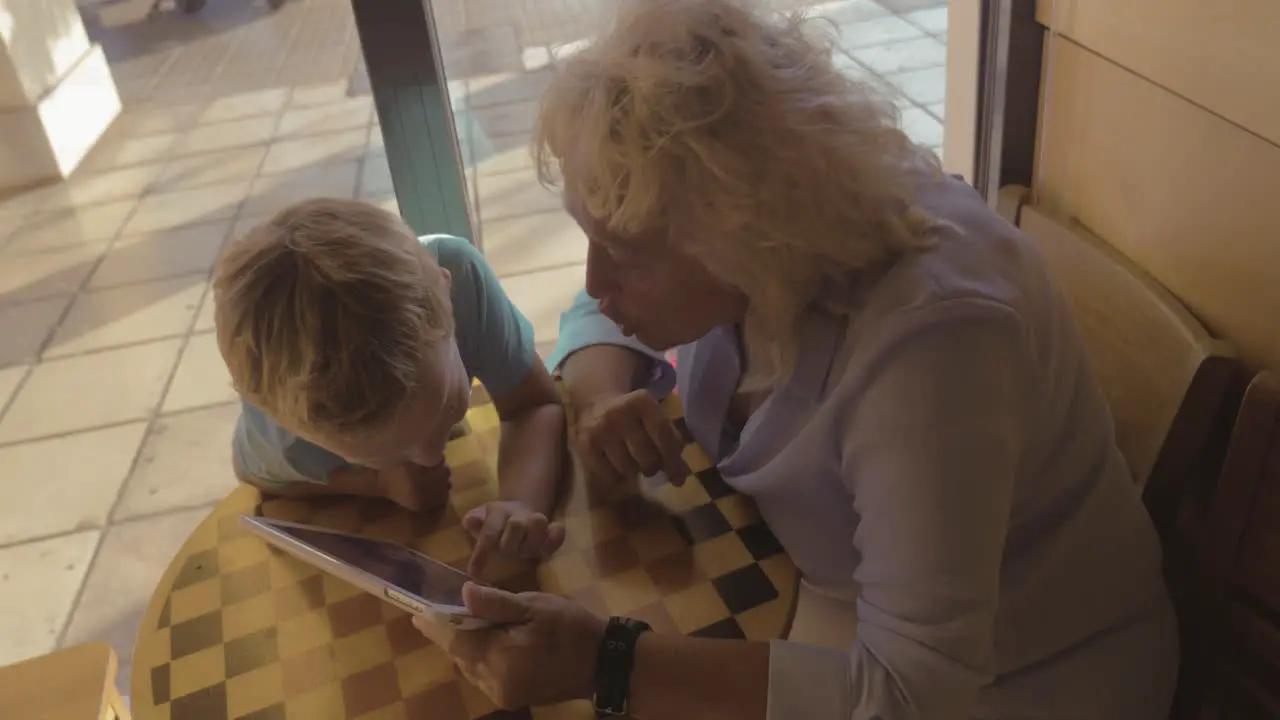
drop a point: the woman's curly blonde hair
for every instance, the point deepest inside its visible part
(730, 132)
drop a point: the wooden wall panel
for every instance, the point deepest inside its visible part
(1189, 196)
(1221, 54)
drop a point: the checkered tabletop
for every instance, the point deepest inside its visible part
(236, 631)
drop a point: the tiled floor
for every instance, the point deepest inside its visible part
(115, 410)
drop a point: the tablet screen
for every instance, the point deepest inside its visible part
(397, 565)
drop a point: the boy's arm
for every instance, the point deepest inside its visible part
(362, 482)
(279, 463)
(531, 448)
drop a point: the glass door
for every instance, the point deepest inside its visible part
(456, 85)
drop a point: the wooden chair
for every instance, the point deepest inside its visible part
(75, 683)
(1238, 568)
(1173, 390)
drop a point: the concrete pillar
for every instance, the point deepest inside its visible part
(57, 96)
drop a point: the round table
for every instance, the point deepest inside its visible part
(237, 631)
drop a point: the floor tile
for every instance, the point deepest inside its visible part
(271, 193)
(846, 11)
(221, 136)
(386, 202)
(48, 274)
(245, 105)
(129, 314)
(64, 484)
(515, 118)
(185, 462)
(904, 6)
(375, 175)
(161, 254)
(849, 66)
(350, 114)
(125, 572)
(202, 377)
(9, 379)
(933, 20)
(533, 242)
(38, 586)
(245, 223)
(514, 194)
(75, 226)
(237, 164)
(322, 94)
(922, 127)
(376, 141)
(122, 184)
(499, 89)
(543, 296)
(500, 154)
(26, 326)
(187, 207)
(305, 152)
(163, 120)
(90, 391)
(204, 319)
(923, 87)
(114, 152)
(903, 56)
(879, 31)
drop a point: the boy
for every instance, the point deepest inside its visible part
(353, 345)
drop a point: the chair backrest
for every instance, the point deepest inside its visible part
(1173, 390)
(1154, 360)
(1239, 571)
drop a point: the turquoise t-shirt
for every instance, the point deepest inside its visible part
(495, 342)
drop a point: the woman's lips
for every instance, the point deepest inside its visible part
(606, 309)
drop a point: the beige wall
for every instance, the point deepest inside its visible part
(1160, 131)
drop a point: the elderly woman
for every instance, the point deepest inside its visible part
(869, 352)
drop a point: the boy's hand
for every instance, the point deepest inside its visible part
(513, 528)
(415, 488)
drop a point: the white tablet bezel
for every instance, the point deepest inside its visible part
(454, 616)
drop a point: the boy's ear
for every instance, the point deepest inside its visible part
(448, 279)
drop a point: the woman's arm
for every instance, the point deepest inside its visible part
(671, 679)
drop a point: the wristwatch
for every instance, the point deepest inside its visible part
(614, 660)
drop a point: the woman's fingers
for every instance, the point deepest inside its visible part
(667, 440)
(642, 447)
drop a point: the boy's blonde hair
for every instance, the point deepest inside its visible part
(324, 313)
(728, 130)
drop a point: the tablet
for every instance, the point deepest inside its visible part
(401, 576)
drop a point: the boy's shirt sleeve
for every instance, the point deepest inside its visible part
(495, 339)
(272, 456)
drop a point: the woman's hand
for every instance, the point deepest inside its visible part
(542, 649)
(629, 434)
(414, 487)
(513, 528)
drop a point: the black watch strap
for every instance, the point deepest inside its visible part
(614, 661)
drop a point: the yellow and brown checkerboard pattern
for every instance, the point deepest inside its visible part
(236, 631)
